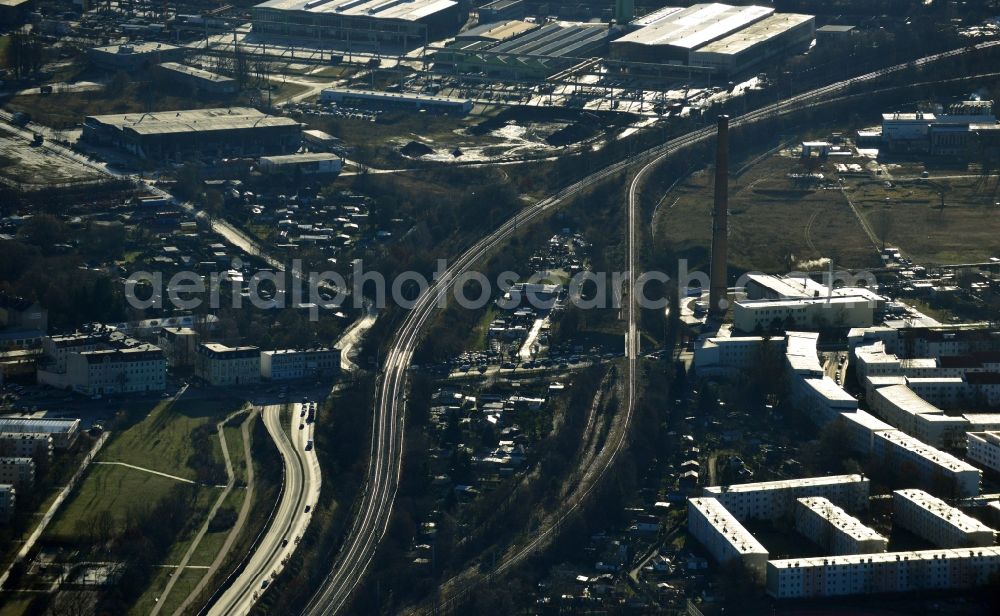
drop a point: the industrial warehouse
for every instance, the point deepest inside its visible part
(521, 50)
(399, 22)
(236, 131)
(725, 38)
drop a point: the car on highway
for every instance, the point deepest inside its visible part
(302, 426)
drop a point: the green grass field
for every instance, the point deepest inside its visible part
(162, 441)
(109, 488)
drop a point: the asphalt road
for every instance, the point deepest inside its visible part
(301, 489)
(351, 562)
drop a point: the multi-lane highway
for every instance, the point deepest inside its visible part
(299, 495)
(372, 518)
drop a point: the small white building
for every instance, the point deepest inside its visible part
(723, 536)
(772, 500)
(828, 525)
(221, 365)
(936, 521)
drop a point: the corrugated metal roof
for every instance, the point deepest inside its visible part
(697, 25)
(406, 10)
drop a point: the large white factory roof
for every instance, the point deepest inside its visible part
(839, 518)
(405, 10)
(697, 25)
(949, 516)
(192, 120)
(785, 484)
(760, 32)
(728, 526)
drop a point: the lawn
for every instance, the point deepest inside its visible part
(966, 230)
(185, 583)
(162, 441)
(773, 224)
(109, 488)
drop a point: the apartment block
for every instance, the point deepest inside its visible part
(984, 449)
(723, 536)
(25, 445)
(220, 365)
(924, 466)
(828, 525)
(17, 471)
(887, 572)
(771, 500)
(298, 363)
(938, 522)
(7, 501)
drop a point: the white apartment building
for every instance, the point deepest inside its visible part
(936, 521)
(220, 365)
(861, 427)
(58, 348)
(17, 471)
(141, 368)
(179, 345)
(298, 363)
(924, 466)
(887, 572)
(828, 525)
(25, 445)
(63, 431)
(807, 313)
(7, 501)
(723, 536)
(821, 399)
(725, 355)
(984, 449)
(771, 500)
(801, 354)
(900, 406)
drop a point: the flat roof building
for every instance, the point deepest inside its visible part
(984, 449)
(136, 55)
(760, 41)
(308, 163)
(723, 536)
(63, 431)
(771, 500)
(396, 100)
(178, 345)
(862, 427)
(199, 80)
(923, 466)
(25, 444)
(828, 525)
(221, 365)
(405, 23)
(219, 132)
(502, 9)
(674, 35)
(938, 522)
(903, 408)
(17, 471)
(8, 500)
(888, 572)
(298, 363)
(839, 311)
